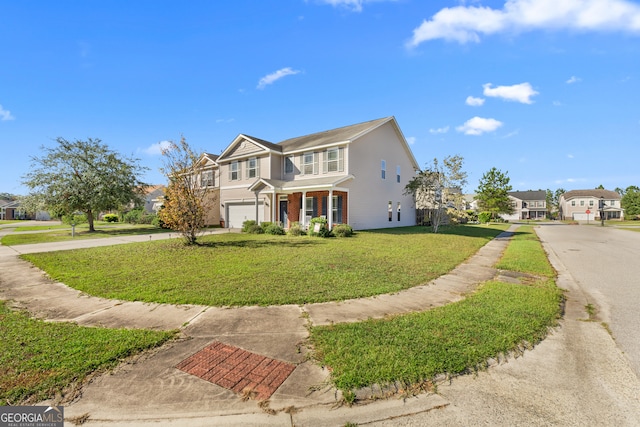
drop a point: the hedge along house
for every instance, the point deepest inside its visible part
(353, 175)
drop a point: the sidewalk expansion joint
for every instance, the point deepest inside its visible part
(243, 372)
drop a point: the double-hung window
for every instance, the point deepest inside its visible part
(333, 160)
(383, 167)
(309, 163)
(234, 171)
(206, 178)
(288, 165)
(252, 168)
(398, 174)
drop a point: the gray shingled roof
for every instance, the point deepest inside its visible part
(529, 195)
(346, 133)
(597, 193)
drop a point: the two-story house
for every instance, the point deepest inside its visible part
(583, 205)
(354, 175)
(527, 205)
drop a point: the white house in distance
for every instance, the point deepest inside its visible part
(354, 175)
(583, 205)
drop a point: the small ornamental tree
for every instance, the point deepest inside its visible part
(493, 193)
(82, 176)
(186, 200)
(438, 187)
(631, 202)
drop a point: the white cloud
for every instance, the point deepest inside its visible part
(474, 102)
(353, 5)
(521, 92)
(411, 140)
(277, 75)
(439, 130)
(574, 79)
(156, 149)
(5, 115)
(570, 156)
(557, 104)
(479, 125)
(467, 23)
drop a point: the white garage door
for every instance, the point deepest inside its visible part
(237, 213)
(583, 217)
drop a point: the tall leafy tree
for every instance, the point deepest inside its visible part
(493, 192)
(631, 201)
(186, 200)
(438, 186)
(83, 176)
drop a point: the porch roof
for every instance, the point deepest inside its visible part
(321, 183)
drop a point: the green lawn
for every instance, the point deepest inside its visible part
(457, 338)
(244, 269)
(62, 233)
(39, 359)
(526, 255)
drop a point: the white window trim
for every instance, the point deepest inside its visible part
(256, 169)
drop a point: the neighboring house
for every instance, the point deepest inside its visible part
(11, 209)
(151, 194)
(354, 175)
(574, 205)
(209, 178)
(527, 205)
(471, 202)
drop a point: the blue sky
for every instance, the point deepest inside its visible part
(545, 90)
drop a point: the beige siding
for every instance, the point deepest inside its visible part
(369, 194)
(244, 148)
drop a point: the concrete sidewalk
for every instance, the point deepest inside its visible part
(151, 389)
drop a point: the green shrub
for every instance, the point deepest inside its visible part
(322, 230)
(75, 219)
(110, 217)
(274, 229)
(484, 217)
(255, 229)
(247, 224)
(295, 230)
(457, 217)
(342, 230)
(265, 225)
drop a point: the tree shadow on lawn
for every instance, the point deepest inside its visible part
(254, 244)
(458, 230)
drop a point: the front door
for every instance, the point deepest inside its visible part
(283, 213)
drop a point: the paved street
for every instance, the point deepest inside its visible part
(605, 263)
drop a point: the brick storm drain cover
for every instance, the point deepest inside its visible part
(241, 371)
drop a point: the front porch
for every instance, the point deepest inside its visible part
(298, 202)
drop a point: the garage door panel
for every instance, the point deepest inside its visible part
(237, 213)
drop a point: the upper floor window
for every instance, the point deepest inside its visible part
(288, 165)
(252, 167)
(234, 171)
(333, 160)
(398, 174)
(581, 202)
(206, 178)
(383, 167)
(590, 202)
(573, 203)
(309, 163)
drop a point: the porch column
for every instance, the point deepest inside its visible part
(330, 209)
(257, 217)
(303, 210)
(274, 202)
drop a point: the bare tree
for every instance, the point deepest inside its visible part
(438, 187)
(187, 198)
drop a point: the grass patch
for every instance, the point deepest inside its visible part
(411, 349)
(62, 233)
(244, 269)
(452, 339)
(39, 359)
(525, 254)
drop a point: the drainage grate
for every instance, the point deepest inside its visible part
(241, 371)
